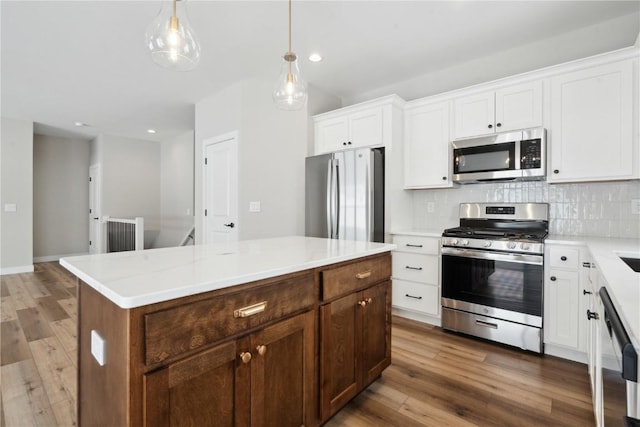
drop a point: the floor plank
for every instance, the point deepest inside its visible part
(34, 324)
(23, 396)
(14, 347)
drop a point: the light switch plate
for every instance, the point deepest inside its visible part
(10, 207)
(98, 348)
(254, 206)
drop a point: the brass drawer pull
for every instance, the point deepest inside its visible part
(250, 310)
(363, 275)
(362, 303)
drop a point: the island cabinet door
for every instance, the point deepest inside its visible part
(376, 331)
(340, 322)
(213, 385)
(283, 383)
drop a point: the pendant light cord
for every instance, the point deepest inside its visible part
(289, 25)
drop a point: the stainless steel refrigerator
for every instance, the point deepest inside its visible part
(345, 195)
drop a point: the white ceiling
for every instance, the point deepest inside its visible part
(68, 61)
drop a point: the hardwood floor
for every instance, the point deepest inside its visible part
(436, 378)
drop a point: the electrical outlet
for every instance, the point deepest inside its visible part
(431, 207)
(254, 206)
(98, 348)
(635, 206)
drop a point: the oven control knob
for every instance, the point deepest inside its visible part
(454, 241)
(465, 242)
(511, 245)
(487, 244)
(525, 246)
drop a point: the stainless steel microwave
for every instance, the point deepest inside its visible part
(509, 156)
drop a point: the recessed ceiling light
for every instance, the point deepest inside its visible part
(80, 124)
(151, 131)
(315, 57)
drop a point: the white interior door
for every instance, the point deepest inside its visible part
(221, 189)
(95, 211)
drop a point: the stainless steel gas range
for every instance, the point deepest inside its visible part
(492, 273)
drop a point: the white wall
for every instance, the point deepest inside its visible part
(583, 43)
(271, 151)
(60, 197)
(16, 187)
(215, 115)
(176, 190)
(131, 180)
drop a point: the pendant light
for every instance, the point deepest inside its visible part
(290, 91)
(170, 39)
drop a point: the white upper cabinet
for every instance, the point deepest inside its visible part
(363, 125)
(591, 134)
(513, 107)
(426, 138)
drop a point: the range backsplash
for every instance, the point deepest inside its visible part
(591, 209)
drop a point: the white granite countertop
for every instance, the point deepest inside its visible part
(622, 283)
(137, 278)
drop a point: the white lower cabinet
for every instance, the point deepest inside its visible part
(415, 271)
(565, 323)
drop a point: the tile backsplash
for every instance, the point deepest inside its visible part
(584, 209)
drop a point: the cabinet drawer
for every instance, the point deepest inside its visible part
(417, 244)
(178, 330)
(562, 257)
(416, 297)
(415, 267)
(351, 277)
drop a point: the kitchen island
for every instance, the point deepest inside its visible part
(281, 331)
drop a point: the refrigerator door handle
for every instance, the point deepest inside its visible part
(330, 199)
(368, 200)
(337, 201)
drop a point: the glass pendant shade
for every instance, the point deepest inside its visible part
(290, 91)
(170, 39)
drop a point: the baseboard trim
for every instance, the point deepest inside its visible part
(50, 258)
(565, 353)
(16, 270)
(419, 317)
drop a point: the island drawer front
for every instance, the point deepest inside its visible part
(351, 277)
(179, 330)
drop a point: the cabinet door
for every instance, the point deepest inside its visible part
(282, 380)
(198, 390)
(591, 124)
(330, 134)
(519, 107)
(365, 128)
(376, 331)
(426, 158)
(339, 322)
(561, 322)
(474, 115)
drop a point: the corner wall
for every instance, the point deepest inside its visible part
(272, 146)
(16, 188)
(60, 197)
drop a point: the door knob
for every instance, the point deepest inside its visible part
(245, 356)
(230, 225)
(262, 349)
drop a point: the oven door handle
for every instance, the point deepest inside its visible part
(494, 256)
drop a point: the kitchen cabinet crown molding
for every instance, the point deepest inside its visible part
(392, 99)
(529, 76)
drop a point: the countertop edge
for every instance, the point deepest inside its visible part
(212, 285)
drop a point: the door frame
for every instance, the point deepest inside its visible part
(95, 183)
(230, 136)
